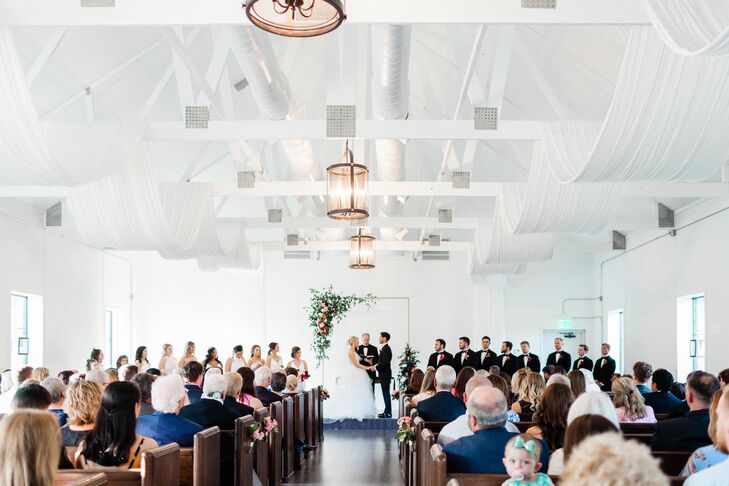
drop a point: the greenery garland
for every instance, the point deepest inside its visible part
(407, 362)
(327, 308)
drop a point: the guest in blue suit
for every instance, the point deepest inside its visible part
(164, 425)
(193, 373)
(661, 399)
(443, 405)
(482, 452)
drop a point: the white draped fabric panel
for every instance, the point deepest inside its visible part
(692, 27)
(667, 123)
(55, 153)
(236, 251)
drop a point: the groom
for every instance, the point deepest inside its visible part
(385, 373)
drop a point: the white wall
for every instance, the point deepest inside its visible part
(647, 281)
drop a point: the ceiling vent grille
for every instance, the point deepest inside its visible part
(98, 3)
(297, 255)
(665, 216)
(538, 3)
(275, 216)
(246, 180)
(486, 118)
(434, 240)
(461, 179)
(445, 215)
(359, 223)
(435, 256)
(292, 240)
(197, 116)
(341, 121)
(619, 242)
(241, 85)
(54, 215)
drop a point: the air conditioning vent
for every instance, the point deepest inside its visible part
(665, 216)
(445, 215)
(54, 215)
(434, 240)
(461, 179)
(341, 121)
(436, 256)
(197, 116)
(538, 3)
(359, 223)
(241, 85)
(297, 255)
(292, 240)
(275, 215)
(485, 118)
(98, 3)
(246, 179)
(619, 242)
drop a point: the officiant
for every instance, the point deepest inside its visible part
(368, 356)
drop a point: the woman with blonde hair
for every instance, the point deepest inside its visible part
(530, 389)
(427, 389)
(84, 401)
(188, 356)
(630, 404)
(41, 373)
(518, 377)
(353, 396)
(168, 362)
(30, 452)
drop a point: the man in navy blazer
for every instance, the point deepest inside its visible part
(443, 405)
(193, 373)
(482, 453)
(165, 425)
(210, 411)
(661, 399)
(262, 381)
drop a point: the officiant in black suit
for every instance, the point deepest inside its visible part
(441, 356)
(385, 373)
(560, 357)
(368, 356)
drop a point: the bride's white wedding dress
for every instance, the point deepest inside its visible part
(352, 397)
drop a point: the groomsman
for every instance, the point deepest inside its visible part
(464, 357)
(506, 361)
(604, 368)
(441, 356)
(582, 361)
(559, 357)
(527, 359)
(485, 358)
(366, 349)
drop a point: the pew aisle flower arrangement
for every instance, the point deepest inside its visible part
(254, 430)
(406, 363)
(405, 431)
(327, 308)
(324, 394)
(271, 425)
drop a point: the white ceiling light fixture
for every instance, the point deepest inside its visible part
(296, 18)
(347, 189)
(362, 251)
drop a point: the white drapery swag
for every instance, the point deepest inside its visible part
(692, 27)
(237, 253)
(55, 153)
(668, 121)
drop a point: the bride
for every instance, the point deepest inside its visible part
(352, 396)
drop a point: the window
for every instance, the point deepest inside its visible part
(615, 337)
(691, 334)
(109, 324)
(19, 345)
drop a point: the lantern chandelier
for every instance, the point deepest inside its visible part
(362, 251)
(347, 189)
(296, 18)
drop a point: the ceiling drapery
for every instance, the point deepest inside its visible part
(692, 27)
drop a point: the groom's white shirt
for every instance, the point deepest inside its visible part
(459, 428)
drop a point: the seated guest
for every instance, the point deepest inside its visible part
(210, 410)
(65, 376)
(262, 382)
(711, 455)
(31, 395)
(23, 374)
(530, 390)
(560, 378)
(462, 378)
(234, 383)
(661, 398)
(548, 371)
(593, 403)
(130, 371)
(415, 382)
(247, 395)
(58, 395)
(84, 400)
(459, 427)
(193, 374)
(578, 430)
(443, 405)
(292, 385)
(278, 383)
(629, 403)
(144, 382)
(521, 460)
(96, 375)
(41, 373)
(723, 377)
(516, 380)
(679, 391)
(718, 474)
(113, 442)
(590, 384)
(30, 452)
(427, 389)
(609, 459)
(550, 419)
(481, 452)
(111, 375)
(690, 432)
(642, 373)
(577, 383)
(164, 425)
(502, 384)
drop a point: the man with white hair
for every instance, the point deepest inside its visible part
(443, 405)
(165, 425)
(262, 381)
(481, 453)
(459, 427)
(58, 395)
(210, 411)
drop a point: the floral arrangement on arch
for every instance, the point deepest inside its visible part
(406, 363)
(327, 308)
(405, 431)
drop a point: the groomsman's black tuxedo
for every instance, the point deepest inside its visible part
(436, 361)
(485, 359)
(532, 362)
(565, 360)
(385, 372)
(459, 362)
(510, 365)
(585, 363)
(603, 372)
(368, 350)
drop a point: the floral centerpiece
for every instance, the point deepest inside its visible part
(327, 308)
(407, 362)
(405, 431)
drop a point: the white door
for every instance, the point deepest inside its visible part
(572, 339)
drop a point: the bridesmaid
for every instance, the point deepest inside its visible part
(298, 364)
(140, 360)
(167, 363)
(274, 361)
(211, 361)
(188, 356)
(256, 357)
(236, 361)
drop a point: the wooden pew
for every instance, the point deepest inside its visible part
(630, 428)
(244, 451)
(315, 419)
(436, 466)
(424, 441)
(261, 453)
(310, 417)
(411, 478)
(200, 464)
(320, 411)
(401, 404)
(275, 447)
(299, 427)
(642, 438)
(287, 437)
(227, 456)
(672, 463)
(131, 477)
(70, 479)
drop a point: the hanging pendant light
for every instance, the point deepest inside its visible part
(362, 251)
(347, 189)
(296, 18)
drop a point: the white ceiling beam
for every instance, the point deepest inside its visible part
(45, 54)
(380, 245)
(195, 12)
(372, 222)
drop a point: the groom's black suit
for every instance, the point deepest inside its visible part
(385, 373)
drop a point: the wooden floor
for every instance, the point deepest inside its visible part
(354, 458)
